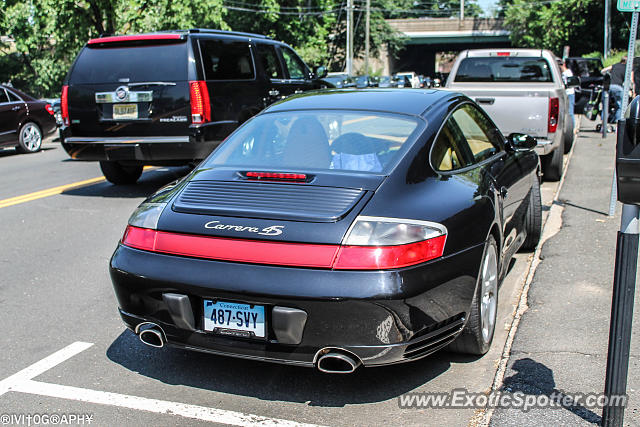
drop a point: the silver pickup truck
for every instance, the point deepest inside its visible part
(523, 92)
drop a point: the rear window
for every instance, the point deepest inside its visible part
(226, 60)
(323, 140)
(166, 62)
(504, 69)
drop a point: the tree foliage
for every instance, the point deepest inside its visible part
(553, 25)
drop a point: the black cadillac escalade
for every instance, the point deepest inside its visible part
(170, 98)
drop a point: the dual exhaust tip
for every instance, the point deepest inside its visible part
(328, 360)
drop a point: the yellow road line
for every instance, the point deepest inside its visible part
(54, 190)
(48, 192)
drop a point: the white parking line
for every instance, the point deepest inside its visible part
(42, 366)
(23, 382)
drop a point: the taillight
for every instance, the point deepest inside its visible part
(554, 112)
(374, 243)
(64, 105)
(200, 106)
(49, 109)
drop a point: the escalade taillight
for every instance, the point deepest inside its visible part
(554, 112)
(200, 104)
(64, 105)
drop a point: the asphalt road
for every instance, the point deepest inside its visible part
(55, 291)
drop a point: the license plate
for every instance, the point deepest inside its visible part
(125, 111)
(234, 319)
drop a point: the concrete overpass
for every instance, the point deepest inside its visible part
(426, 37)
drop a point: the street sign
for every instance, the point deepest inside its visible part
(629, 5)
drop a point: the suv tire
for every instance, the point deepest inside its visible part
(119, 174)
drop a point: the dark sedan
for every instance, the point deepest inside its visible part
(24, 120)
(335, 229)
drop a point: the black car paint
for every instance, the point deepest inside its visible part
(382, 317)
(13, 115)
(90, 137)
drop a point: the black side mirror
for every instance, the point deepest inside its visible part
(606, 81)
(628, 155)
(573, 81)
(320, 72)
(521, 142)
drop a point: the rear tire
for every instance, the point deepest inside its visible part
(552, 164)
(29, 138)
(119, 174)
(533, 218)
(477, 335)
(569, 138)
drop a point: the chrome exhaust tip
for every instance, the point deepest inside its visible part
(337, 361)
(151, 334)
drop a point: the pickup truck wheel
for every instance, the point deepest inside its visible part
(119, 174)
(569, 138)
(552, 164)
(533, 218)
(477, 335)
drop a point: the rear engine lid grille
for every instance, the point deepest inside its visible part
(267, 200)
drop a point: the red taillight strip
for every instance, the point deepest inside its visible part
(503, 53)
(64, 105)
(252, 251)
(142, 37)
(281, 253)
(276, 176)
(386, 257)
(554, 113)
(200, 103)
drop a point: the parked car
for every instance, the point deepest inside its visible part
(171, 97)
(402, 81)
(588, 70)
(335, 229)
(24, 120)
(387, 81)
(523, 91)
(366, 81)
(413, 78)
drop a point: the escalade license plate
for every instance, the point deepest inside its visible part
(234, 319)
(125, 111)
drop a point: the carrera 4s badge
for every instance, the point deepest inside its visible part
(272, 230)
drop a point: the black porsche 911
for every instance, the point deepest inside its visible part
(335, 229)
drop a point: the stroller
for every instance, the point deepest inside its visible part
(593, 108)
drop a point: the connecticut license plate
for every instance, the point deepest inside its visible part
(234, 319)
(125, 111)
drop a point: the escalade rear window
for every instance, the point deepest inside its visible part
(504, 69)
(226, 60)
(166, 62)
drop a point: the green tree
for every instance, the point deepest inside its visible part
(575, 23)
(49, 33)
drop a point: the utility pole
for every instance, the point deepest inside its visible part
(462, 10)
(607, 26)
(366, 38)
(349, 37)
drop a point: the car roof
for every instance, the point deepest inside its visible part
(403, 101)
(491, 52)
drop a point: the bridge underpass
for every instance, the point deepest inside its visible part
(428, 37)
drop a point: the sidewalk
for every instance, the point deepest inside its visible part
(561, 342)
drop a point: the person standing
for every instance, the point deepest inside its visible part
(616, 89)
(571, 92)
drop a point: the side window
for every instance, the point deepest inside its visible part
(448, 152)
(13, 97)
(223, 60)
(3, 96)
(477, 131)
(270, 62)
(297, 69)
